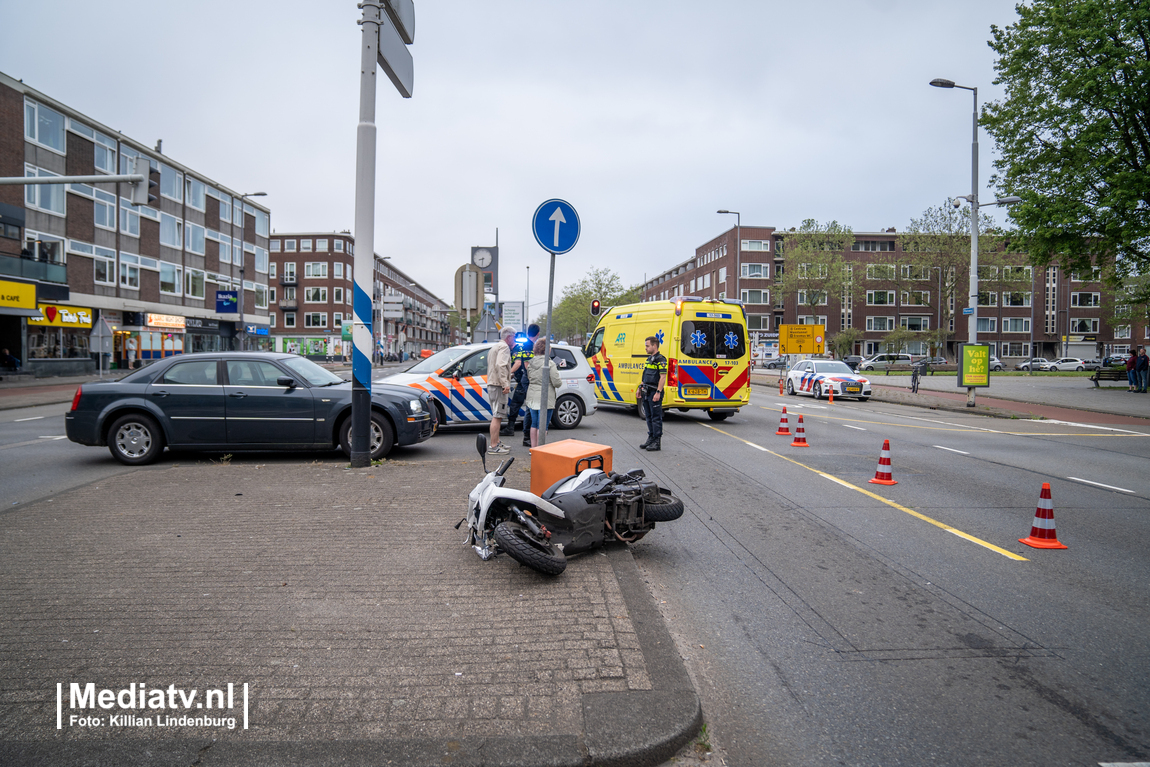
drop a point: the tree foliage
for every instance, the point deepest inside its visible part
(843, 342)
(815, 271)
(1074, 130)
(571, 317)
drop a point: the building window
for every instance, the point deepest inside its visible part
(129, 218)
(105, 213)
(272, 270)
(915, 323)
(44, 126)
(171, 231)
(986, 324)
(196, 193)
(315, 269)
(1016, 349)
(289, 246)
(315, 320)
(757, 245)
(289, 271)
(337, 295)
(272, 293)
(811, 298)
(129, 271)
(170, 279)
(1122, 331)
(1017, 298)
(305, 246)
(912, 272)
(880, 271)
(339, 246)
(261, 296)
(46, 197)
(872, 245)
(880, 297)
(261, 260)
(812, 320)
(195, 238)
(880, 324)
(758, 322)
(337, 270)
(238, 214)
(1084, 325)
(274, 246)
(1093, 275)
(194, 285)
(756, 270)
(916, 298)
(225, 249)
(321, 246)
(986, 298)
(1085, 299)
(105, 149)
(171, 183)
(238, 252)
(272, 320)
(1017, 274)
(755, 296)
(105, 268)
(1015, 324)
(819, 272)
(261, 223)
(315, 295)
(722, 274)
(289, 319)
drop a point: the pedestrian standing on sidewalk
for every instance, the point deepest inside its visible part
(520, 356)
(651, 393)
(1142, 369)
(1131, 361)
(499, 385)
(534, 378)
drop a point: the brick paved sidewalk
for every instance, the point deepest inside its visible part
(364, 629)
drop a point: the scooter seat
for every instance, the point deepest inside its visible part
(575, 481)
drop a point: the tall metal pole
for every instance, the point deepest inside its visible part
(972, 327)
(546, 359)
(364, 240)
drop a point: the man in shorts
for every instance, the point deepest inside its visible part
(499, 385)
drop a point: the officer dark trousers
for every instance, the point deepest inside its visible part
(654, 410)
(518, 397)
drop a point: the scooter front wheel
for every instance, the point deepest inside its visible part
(667, 509)
(526, 549)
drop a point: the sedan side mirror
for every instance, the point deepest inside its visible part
(286, 381)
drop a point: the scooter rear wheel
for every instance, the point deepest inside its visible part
(528, 550)
(667, 509)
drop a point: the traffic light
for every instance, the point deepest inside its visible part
(142, 190)
(595, 308)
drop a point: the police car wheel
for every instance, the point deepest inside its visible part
(568, 413)
(790, 388)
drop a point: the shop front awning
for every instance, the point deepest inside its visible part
(13, 312)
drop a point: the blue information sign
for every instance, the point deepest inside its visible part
(227, 301)
(556, 226)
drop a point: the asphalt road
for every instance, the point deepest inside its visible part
(826, 620)
(825, 626)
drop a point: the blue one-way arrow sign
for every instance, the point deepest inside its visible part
(556, 226)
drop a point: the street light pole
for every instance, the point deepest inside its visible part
(243, 264)
(738, 250)
(972, 198)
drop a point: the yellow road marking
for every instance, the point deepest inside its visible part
(969, 430)
(869, 494)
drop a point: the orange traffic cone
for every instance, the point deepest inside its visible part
(1042, 534)
(882, 473)
(780, 385)
(800, 435)
(784, 426)
(832, 395)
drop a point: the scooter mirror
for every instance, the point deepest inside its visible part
(481, 447)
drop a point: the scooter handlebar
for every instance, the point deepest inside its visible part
(503, 467)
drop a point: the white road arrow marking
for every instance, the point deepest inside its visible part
(557, 217)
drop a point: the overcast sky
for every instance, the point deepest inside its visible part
(646, 116)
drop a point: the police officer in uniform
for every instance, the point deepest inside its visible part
(519, 359)
(651, 392)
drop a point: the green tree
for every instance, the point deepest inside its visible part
(844, 341)
(1073, 131)
(939, 242)
(814, 269)
(571, 315)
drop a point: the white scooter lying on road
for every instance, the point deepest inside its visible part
(574, 515)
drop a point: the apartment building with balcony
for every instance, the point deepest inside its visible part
(75, 254)
(1021, 309)
(311, 294)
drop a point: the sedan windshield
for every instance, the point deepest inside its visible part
(311, 372)
(439, 360)
(833, 367)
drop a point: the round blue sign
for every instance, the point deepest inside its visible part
(556, 226)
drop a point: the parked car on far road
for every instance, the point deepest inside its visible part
(884, 361)
(1064, 363)
(1092, 364)
(1038, 363)
(995, 363)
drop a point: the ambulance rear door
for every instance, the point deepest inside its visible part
(712, 356)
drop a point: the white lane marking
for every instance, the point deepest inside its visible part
(62, 436)
(948, 423)
(859, 428)
(758, 447)
(1099, 484)
(951, 449)
(1092, 426)
(33, 418)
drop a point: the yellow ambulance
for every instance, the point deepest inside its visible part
(704, 341)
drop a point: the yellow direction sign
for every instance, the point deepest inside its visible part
(802, 339)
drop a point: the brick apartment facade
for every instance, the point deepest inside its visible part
(1021, 309)
(312, 282)
(71, 254)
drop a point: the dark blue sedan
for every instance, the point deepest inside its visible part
(232, 401)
